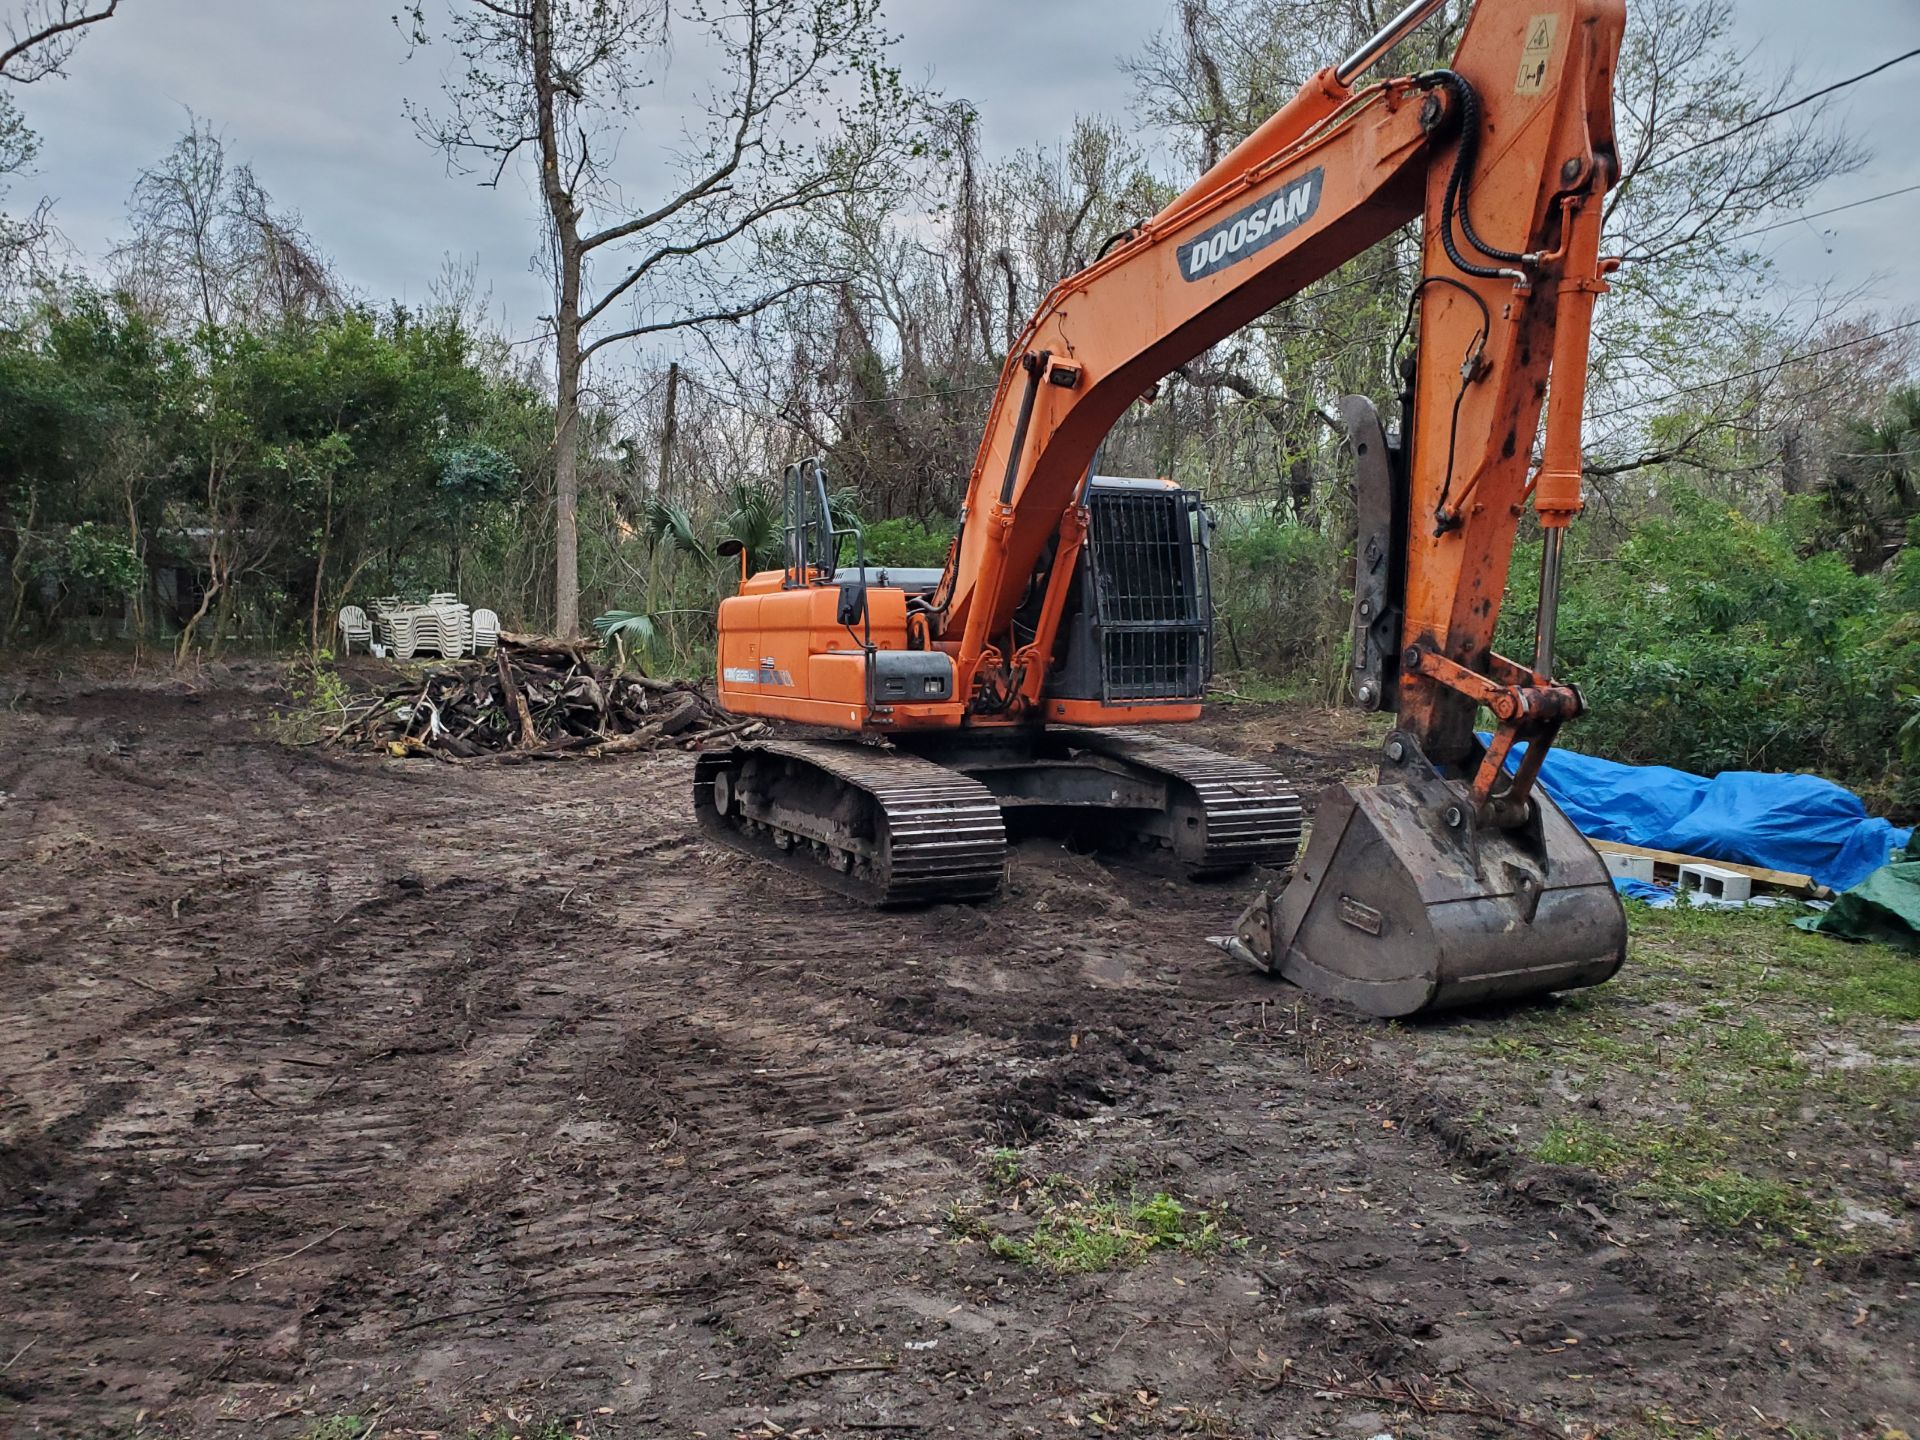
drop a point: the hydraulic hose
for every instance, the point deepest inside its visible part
(1456, 201)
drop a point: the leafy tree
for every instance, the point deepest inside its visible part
(1873, 489)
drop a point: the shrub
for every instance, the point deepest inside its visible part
(1710, 642)
(1281, 593)
(907, 543)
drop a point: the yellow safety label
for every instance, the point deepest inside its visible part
(1536, 54)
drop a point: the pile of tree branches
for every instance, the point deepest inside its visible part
(535, 699)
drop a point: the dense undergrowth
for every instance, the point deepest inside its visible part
(1709, 641)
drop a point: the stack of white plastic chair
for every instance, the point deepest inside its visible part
(429, 632)
(486, 631)
(383, 606)
(397, 630)
(456, 624)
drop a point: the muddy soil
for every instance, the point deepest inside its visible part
(452, 1097)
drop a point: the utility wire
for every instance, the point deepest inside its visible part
(1673, 394)
(1656, 256)
(1676, 393)
(1762, 119)
(1817, 214)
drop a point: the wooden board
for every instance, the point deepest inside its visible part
(1779, 879)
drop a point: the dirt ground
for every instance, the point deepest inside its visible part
(341, 1096)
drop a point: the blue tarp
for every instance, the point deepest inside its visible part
(1783, 822)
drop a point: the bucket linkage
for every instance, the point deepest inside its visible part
(1439, 888)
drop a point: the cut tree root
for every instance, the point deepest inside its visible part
(537, 700)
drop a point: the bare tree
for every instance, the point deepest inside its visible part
(1701, 164)
(802, 110)
(208, 249)
(41, 36)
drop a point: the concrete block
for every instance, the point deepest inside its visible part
(1629, 867)
(1715, 883)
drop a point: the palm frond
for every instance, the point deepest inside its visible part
(672, 525)
(633, 628)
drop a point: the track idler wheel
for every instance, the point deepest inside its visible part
(1405, 904)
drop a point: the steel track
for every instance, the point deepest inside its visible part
(929, 834)
(918, 832)
(1249, 815)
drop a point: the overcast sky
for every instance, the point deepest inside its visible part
(310, 92)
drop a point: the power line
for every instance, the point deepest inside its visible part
(1762, 119)
(1654, 257)
(1676, 393)
(1817, 214)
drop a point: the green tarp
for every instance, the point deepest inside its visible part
(1885, 907)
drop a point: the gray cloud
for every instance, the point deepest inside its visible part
(311, 94)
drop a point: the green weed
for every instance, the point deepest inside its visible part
(319, 704)
(1687, 1168)
(1079, 1233)
(1003, 1164)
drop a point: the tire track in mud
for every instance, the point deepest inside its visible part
(474, 1086)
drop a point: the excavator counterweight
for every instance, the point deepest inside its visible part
(1071, 604)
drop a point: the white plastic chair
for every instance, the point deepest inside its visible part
(456, 627)
(486, 631)
(400, 636)
(354, 626)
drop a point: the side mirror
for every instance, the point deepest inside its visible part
(735, 547)
(853, 603)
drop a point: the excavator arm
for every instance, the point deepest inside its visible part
(1451, 882)
(1507, 157)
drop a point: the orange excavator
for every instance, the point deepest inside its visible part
(1073, 606)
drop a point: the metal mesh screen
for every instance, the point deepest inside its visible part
(1151, 593)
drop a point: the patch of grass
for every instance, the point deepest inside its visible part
(1078, 1232)
(1738, 1071)
(1688, 1168)
(338, 1427)
(964, 1222)
(1003, 1164)
(1761, 952)
(1730, 1200)
(1879, 981)
(1579, 1142)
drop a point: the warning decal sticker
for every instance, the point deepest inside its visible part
(1536, 55)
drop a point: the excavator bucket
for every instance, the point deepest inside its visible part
(1404, 904)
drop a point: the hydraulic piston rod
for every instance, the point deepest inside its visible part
(1397, 29)
(1548, 619)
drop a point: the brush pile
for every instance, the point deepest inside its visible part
(535, 699)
